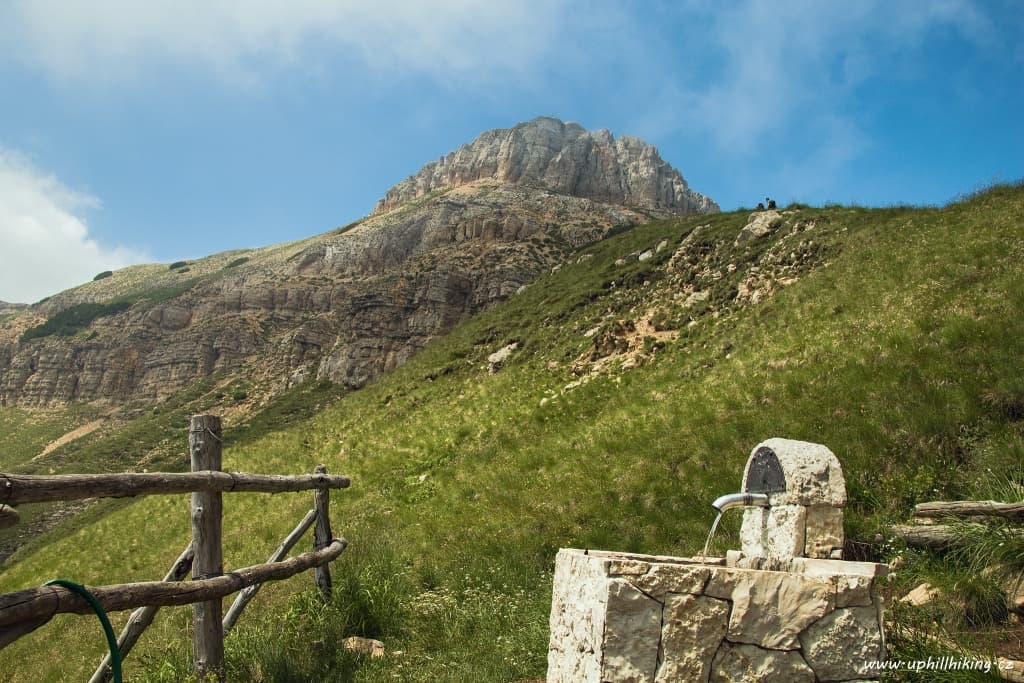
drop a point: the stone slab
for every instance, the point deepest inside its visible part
(750, 664)
(823, 531)
(663, 579)
(578, 608)
(839, 645)
(632, 630)
(692, 631)
(769, 608)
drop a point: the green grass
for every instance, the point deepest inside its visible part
(24, 433)
(901, 354)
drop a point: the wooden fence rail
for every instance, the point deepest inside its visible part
(24, 611)
(16, 489)
(46, 601)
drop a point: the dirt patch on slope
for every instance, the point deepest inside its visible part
(69, 437)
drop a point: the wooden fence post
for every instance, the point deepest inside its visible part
(204, 445)
(322, 535)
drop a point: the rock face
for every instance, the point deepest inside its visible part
(563, 158)
(8, 309)
(348, 305)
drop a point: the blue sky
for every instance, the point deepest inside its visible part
(155, 131)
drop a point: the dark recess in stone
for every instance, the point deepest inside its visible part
(765, 474)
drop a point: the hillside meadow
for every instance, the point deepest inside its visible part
(900, 350)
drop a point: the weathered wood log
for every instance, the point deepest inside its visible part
(10, 633)
(938, 536)
(247, 594)
(969, 508)
(141, 618)
(46, 601)
(8, 516)
(322, 535)
(16, 489)
(933, 536)
(206, 510)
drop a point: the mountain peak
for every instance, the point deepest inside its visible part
(561, 157)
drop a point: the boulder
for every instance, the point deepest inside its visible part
(498, 358)
(760, 224)
(363, 646)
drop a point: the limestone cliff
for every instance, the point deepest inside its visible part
(349, 304)
(563, 158)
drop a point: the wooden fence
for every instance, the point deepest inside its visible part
(24, 611)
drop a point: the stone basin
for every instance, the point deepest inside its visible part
(628, 617)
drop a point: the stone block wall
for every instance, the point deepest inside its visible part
(619, 617)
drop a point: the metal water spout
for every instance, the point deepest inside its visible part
(736, 500)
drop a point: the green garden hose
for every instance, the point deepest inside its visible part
(115, 652)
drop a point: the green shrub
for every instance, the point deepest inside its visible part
(159, 294)
(69, 321)
(237, 262)
(104, 275)
(345, 228)
(178, 264)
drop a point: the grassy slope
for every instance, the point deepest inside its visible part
(26, 433)
(902, 356)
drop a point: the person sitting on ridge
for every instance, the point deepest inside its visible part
(771, 202)
(760, 206)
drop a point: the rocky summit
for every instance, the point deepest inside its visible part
(562, 158)
(465, 232)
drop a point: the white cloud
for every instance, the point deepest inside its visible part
(44, 241)
(115, 39)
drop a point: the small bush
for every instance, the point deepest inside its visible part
(345, 228)
(237, 262)
(178, 264)
(104, 275)
(69, 321)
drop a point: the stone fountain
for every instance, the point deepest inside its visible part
(785, 607)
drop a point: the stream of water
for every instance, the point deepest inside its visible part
(711, 536)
